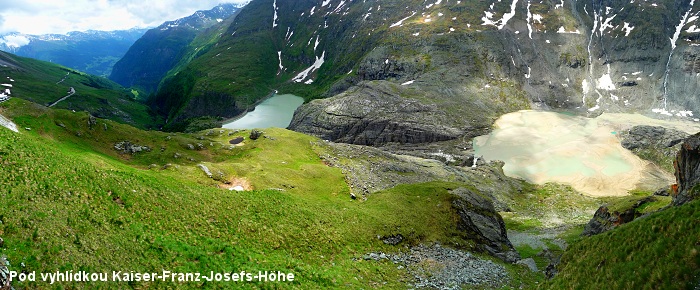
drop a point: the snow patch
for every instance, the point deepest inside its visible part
(563, 30)
(279, 56)
(408, 83)
(662, 112)
(627, 28)
(400, 22)
(685, 114)
(274, 18)
(317, 65)
(488, 18)
(605, 82)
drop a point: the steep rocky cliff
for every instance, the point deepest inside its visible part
(687, 166)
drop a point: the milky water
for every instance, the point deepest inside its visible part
(276, 111)
(551, 147)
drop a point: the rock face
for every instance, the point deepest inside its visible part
(606, 219)
(644, 136)
(374, 115)
(687, 167)
(479, 220)
(654, 143)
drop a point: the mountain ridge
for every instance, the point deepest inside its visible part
(548, 51)
(160, 49)
(91, 51)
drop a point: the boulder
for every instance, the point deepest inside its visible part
(480, 221)
(687, 171)
(92, 121)
(255, 134)
(126, 147)
(530, 263)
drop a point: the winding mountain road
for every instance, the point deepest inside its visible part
(71, 92)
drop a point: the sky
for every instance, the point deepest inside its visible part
(61, 16)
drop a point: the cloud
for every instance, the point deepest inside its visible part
(14, 41)
(61, 16)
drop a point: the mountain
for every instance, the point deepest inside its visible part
(93, 52)
(162, 48)
(478, 59)
(60, 87)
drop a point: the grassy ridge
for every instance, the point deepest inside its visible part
(45, 83)
(73, 203)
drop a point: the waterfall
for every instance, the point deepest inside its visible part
(674, 39)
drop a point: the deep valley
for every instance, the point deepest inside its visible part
(441, 144)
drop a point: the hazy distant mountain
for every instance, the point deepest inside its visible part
(162, 48)
(94, 52)
(49, 84)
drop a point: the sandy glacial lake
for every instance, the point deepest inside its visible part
(585, 153)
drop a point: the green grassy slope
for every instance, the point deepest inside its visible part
(73, 203)
(45, 83)
(659, 251)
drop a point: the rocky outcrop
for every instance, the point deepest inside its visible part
(373, 115)
(654, 143)
(606, 219)
(479, 219)
(369, 169)
(126, 147)
(644, 136)
(687, 165)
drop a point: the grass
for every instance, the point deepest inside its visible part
(44, 83)
(73, 203)
(657, 252)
